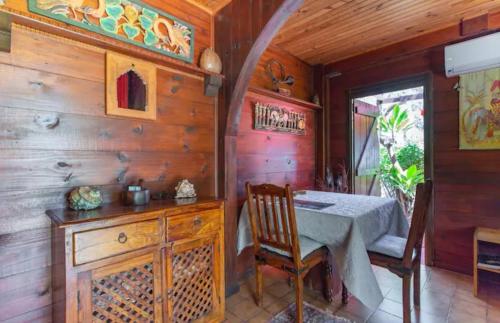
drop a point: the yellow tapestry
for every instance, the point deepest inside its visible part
(480, 110)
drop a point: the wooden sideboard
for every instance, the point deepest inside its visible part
(158, 263)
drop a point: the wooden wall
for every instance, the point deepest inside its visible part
(54, 135)
(466, 182)
(197, 17)
(272, 157)
(301, 71)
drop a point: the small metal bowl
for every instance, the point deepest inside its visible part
(137, 197)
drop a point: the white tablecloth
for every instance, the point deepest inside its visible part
(347, 228)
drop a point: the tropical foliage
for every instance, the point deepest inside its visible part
(401, 166)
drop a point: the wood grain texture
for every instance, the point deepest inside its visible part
(250, 33)
(325, 31)
(270, 157)
(236, 29)
(211, 6)
(103, 243)
(124, 278)
(465, 182)
(55, 135)
(301, 71)
(198, 18)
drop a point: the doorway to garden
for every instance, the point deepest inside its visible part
(390, 144)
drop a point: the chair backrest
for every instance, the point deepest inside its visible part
(272, 218)
(418, 221)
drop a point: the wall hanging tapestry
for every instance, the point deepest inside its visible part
(480, 110)
(272, 118)
(127, 20)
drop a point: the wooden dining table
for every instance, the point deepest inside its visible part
(347, 224)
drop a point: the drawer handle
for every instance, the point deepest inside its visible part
(197, 222)
(122, 237)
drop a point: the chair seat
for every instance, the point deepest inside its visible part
(307, 246)
(389, 245)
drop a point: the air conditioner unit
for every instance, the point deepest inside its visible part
(473, 55)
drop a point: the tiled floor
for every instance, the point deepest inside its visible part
(445, 297)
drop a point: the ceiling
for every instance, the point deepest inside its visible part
(211, 6)
(325, 31)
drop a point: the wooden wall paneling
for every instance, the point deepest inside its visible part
(319, 86)
(241, 53)
(55, 135)
(466, 190)
(301, 71)
(197, 17)
(30, 129)
(272, 157)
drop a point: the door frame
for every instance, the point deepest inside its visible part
(422, 79)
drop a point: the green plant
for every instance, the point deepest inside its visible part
(396, 120)
(410, 154)
(401, 169)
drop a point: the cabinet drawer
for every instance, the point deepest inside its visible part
(189, 225)
(101, 243)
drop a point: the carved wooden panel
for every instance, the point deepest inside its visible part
(193, 283)
(274, 118)
(127, 296)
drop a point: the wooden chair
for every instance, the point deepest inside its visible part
(277, 243)
(402, 256)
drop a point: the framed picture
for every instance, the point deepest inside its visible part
(480, 110)
(131, 21)
(130, 87)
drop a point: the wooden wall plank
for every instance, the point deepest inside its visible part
(301, 71)
(31, 129)
(38, 169)
(54, 135)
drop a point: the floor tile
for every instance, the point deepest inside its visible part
(460, 317)
(392, 307)
(493, 314)
(261, 317)
(231, 318)
(468, 308)
(434, 302)
(279, 289)
(245, 310)
(382, 317)
(418, 316)
(445, 297)
(468, 296)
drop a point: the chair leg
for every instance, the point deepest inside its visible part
(416, 286)
(258, 283)
(345, 295)
(406, 298)
(299, 295)
(327, 288)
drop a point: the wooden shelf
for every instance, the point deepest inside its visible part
(486, 268)
(289, 99)
(486, 235)
(68, 31)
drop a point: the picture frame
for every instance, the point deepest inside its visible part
(119, 68)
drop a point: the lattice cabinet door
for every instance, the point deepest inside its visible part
(128, 291)
(195, 280)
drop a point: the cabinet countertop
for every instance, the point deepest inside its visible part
(67, 217)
